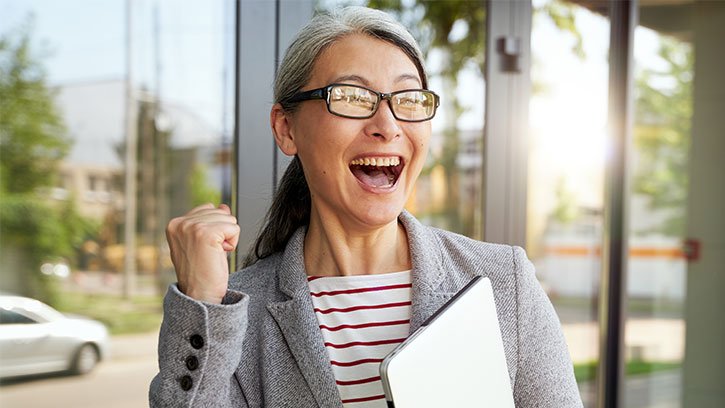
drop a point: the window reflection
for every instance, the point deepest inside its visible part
(568, 113)
(63, 86)
(656, 284)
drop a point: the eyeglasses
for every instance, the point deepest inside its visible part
(358, 102)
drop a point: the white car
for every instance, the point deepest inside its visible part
(35, 339)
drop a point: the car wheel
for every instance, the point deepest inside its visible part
(85, 359)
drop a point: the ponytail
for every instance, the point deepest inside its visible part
(290, 210)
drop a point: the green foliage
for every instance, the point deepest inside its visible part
(201, 191)
(566, 210)
(32, 141)
(662, 132)
(432, 23)
(562, 14)
(32, 134)
(139, 314)
(588, 371)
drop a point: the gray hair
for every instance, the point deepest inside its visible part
(326, 28)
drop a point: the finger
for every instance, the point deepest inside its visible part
(233, 240)
(212, 219)
(199, 208)
(214, 214)
(225, 208)
(230, 235)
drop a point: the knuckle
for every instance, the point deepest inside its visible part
(198, 231)
(172, 226)
(186, 223)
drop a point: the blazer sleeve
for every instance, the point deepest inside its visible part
(200, 347)
(544, 375)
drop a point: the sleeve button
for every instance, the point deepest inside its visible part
(192, 363)
(186, 383)
(197, 341)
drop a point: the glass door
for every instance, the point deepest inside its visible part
(566, 161)
(674, 330)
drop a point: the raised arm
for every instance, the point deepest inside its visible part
(200, 343)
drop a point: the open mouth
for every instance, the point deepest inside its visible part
(378, 172)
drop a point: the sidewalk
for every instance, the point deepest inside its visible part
(649, 339)
(133, 346)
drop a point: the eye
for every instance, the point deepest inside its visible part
(408, 101)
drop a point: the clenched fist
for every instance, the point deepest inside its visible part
(199, 242)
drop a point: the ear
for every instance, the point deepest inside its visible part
(280, 121)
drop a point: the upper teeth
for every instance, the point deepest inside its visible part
(377, 161)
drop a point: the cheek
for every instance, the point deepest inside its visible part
(421, 138)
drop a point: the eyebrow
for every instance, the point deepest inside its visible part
(408, 76)
(365, 82)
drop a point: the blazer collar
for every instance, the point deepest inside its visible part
(428, 272)
(297, 320)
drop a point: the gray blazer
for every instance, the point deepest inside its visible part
(262, 346)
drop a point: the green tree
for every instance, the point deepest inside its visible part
(32, 133)
(201, 190)
(32, 141)
(662, 132)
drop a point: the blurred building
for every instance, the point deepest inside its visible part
(92, 175)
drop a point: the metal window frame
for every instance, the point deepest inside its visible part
(508, 83)
(506, 150)
(263, 31)
(623, 16)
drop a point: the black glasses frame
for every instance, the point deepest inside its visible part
(325, 92)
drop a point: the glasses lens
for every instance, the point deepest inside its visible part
(352, 101)
(414, 105)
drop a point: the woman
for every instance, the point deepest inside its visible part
(340, 273)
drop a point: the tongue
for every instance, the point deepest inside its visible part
(372, 177)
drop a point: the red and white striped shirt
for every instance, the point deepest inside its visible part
(362, 318)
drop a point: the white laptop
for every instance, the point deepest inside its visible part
(455, 359)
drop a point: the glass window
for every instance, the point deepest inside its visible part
(92, 145)
(568, 114)
(674, 328)
(11, 317)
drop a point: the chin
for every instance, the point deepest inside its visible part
(379, 214)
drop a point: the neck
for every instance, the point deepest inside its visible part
(337, 248)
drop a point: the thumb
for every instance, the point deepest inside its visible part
(231, 236)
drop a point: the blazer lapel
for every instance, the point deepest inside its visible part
(298, 323)
(428, 273)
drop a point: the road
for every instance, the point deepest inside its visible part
(121, 381)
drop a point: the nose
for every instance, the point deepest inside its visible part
(383, 123)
